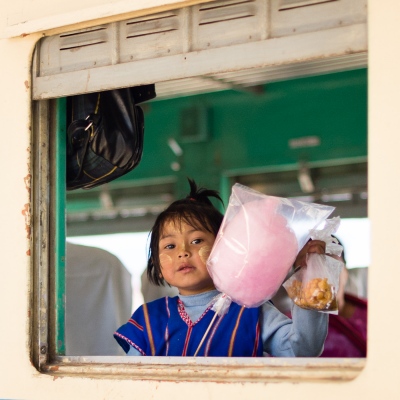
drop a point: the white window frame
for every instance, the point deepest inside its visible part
(266, 53)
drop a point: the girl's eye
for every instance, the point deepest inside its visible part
(169, 246)
(197, 241)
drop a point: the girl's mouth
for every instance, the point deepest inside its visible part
(185, 268)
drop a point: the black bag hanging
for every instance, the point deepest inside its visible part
(105, 135)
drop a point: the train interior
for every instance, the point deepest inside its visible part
(303, 138)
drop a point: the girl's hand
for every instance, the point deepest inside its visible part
(312, 246)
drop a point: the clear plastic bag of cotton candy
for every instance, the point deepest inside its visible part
(258, 242)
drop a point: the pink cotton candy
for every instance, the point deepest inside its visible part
(253, 253)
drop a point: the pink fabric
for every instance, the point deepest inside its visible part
(347, 337)
(253, 253)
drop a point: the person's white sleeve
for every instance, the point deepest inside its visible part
(133, 352)
(302, 336)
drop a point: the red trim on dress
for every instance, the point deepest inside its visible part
(133, 322)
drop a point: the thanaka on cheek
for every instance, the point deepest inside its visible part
(204, 253)
(165, 260)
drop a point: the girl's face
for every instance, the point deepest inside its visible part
(183, 252)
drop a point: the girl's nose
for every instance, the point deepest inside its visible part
(183, 252)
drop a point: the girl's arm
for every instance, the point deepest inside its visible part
(302, 336)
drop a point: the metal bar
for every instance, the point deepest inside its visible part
(40, 244)
(294, 166)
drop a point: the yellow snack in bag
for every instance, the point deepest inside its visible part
(316, 294)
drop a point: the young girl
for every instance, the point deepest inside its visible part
(181, 241)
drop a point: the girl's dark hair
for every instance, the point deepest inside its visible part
(339, 242)
(196, 210)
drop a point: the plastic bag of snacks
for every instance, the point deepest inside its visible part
(315, 286)
(258, 242)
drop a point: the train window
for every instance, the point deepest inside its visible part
(50, 345)
(198, 77)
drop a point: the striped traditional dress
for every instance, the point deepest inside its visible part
(163, 328)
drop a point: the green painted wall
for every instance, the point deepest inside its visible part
(248, 133)
(252, 131)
